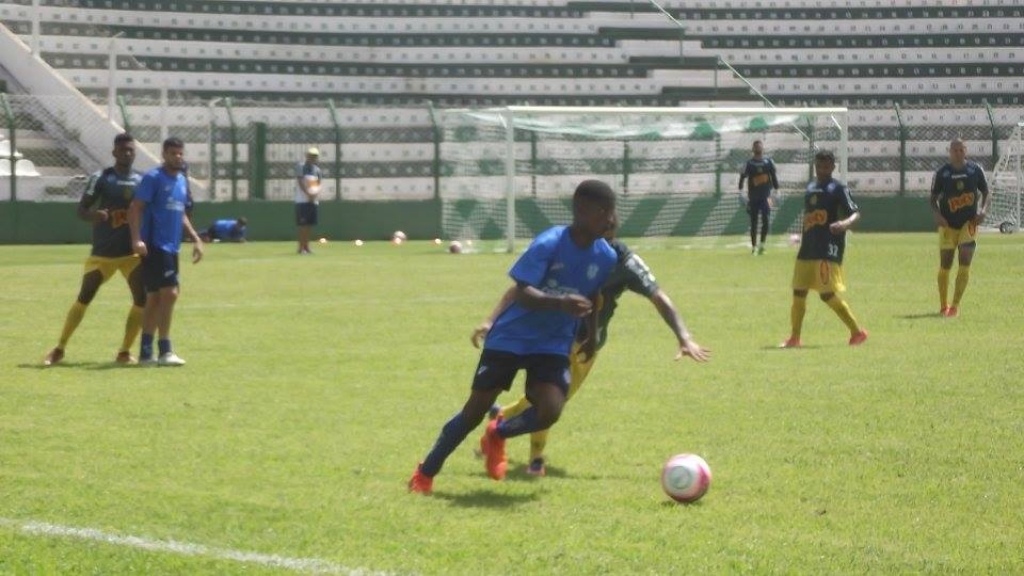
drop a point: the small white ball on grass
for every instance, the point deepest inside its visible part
(437, 241)
(323, 240)
(359, 242)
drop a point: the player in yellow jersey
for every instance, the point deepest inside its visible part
(959, 200)
(829, 211)
(105, 204)
(630, 273)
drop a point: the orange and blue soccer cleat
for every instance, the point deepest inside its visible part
(493, 447)
(420, 482)
(858, 338)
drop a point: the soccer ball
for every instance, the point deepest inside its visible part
(686, 477)
(455, 247)
(398, 236)
(794, 239)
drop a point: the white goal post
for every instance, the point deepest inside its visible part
(1007, 185)
(510, 172)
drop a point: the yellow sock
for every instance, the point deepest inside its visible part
(839, 306)
(516, 408)
(74, 318)
(538, 441)
(944, 287)
(132, 326)
(963, 274)
(796, 316)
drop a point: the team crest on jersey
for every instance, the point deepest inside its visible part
(592, 271)
(959, 185)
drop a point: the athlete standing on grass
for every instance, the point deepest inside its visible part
(630, 273)
(829, 212)
(157, 217)
(105, 204)
(557, 280)
(761, 180)
(958, 211)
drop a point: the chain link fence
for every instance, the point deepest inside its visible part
(248, 149)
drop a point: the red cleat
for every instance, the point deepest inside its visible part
(858, 338)
(53, 357)
(420, 482)
(951, 312)
(493, 447)
(791, 343)
(944, 311)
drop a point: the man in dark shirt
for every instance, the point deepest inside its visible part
(829, 211)
(959, 201)
(105, 204)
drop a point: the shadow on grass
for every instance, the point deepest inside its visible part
(485, 499)
(791, 350)
(933, 315)
(60, 365)
(673, 504)
(80, 366)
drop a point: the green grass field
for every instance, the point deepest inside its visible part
(315, 384)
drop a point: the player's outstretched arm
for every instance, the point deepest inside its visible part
(480, 332)
(687, 346)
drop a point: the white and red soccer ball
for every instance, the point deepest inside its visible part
(686, 477)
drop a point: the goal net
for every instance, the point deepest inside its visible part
(509, 173)
(1007, 185)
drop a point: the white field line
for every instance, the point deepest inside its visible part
(304, 565)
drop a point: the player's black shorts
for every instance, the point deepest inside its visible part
(759, 206)
(305, 214)
(159, 270)
(498, 369)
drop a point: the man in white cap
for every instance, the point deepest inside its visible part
(307, 197)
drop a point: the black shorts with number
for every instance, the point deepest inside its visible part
(159, 270)
(498, 369)
(305, 214)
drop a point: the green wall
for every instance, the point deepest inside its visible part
(56, 223)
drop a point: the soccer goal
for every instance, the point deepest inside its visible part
(1007, 186)
(508, 173)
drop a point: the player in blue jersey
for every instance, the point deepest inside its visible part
(105, 204)
(829, 211)
(157, 218)
(557, 280)
(959, 201)
(226, 230)
(630, 273)
(307, 197)
(759, 172)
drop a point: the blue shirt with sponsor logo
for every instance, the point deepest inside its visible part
(165, 197)
(555, 265)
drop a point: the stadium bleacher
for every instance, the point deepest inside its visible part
(374, 54)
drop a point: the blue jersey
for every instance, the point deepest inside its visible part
(555, 265)
(227, 230)
(165, 198)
